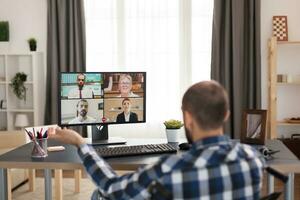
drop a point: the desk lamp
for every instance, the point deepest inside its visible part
(21, 121)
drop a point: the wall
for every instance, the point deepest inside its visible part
(288, 58)
(26, 19)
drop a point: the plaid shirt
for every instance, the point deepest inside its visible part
(214, 167)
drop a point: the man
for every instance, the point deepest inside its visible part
(82, 109)
(126, 115)
(214, 167)
(81, 91)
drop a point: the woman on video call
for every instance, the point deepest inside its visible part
(125, 86)
(126, 115)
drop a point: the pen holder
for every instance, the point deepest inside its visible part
(39, 149)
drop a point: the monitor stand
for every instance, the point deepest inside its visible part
(100, 136)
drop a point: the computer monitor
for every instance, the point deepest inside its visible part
(100, 99)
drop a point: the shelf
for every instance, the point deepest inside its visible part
(31, 63)
(20, 110)
(282, 84)
(288, 42)
(19, 53)
(274, 86)
(27, 82)
(283, 123)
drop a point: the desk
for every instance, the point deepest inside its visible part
(284, 161)
(67, 159)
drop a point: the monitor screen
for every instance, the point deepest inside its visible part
(92, 98)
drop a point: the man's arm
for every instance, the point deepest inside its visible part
(133, 185)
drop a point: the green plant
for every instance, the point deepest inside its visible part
(32, 44)
(31, 41)
(173, 124)
(17, 84)
(4, 31)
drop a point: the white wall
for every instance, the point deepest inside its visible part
(288, 58)
(26, 19)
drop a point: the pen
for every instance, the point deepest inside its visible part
(45, 134)
(38, 135)
(41, 133)
(33, 132)
(29, 134)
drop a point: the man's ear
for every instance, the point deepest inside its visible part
(188, 120)
(227, 114)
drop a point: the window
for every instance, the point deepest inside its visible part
(169, 39)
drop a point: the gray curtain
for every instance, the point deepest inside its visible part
(66, 47)
(236, 59)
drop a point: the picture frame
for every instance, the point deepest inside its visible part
(280, 28)
(254, 126)
(4, 31)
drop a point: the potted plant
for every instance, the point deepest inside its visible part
(173, 129)
(17, 84)
(32, 44)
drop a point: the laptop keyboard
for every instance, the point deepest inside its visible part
(109, 152)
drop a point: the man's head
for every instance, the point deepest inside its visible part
(126, 104)
(205, 107)
(125, 85)
(80, 81)
(82, 108)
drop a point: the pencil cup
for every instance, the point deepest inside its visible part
(39, 149)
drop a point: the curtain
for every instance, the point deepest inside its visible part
(236, 61)
(66, 50)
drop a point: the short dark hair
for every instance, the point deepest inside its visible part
(81, 74)
(81, 100)
(126, 99)
(207, 102)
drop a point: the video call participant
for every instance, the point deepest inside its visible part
(126, 115)
(125, 86)
(81, 113)
(214, 168)
(81, 91)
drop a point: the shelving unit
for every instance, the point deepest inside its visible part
(274, 85)
(32, 64)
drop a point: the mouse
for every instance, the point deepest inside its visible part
(184, 146)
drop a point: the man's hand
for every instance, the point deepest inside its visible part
(67, 136)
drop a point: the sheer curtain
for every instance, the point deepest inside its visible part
(169, 39)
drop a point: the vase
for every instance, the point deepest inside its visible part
(173, 135)
(32, 47)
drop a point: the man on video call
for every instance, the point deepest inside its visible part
(81, 91)
(82, 109)
(214, 168)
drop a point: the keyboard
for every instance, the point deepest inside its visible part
(110, 152)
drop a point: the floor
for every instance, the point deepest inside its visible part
(280, 187)
(86, 189)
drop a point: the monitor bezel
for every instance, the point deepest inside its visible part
(101, 123)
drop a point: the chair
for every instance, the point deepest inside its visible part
(157, 190)
(15, 177)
